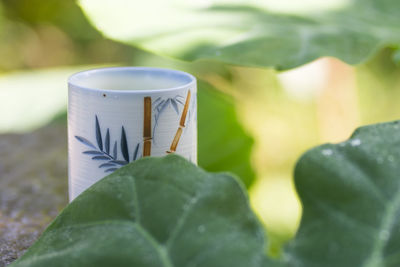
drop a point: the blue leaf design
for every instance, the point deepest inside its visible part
(160, 108)
(158, 105)
(111, 170)
(92, 152)
(165, 105)
(155, 125)
(180, 101)
(124, 145)
(119, 162)
(85, 141)
(175, 106)
(107, 142)
(136, 153)
(98, 135)
(107, 165)
(101, 158)
(155, 101)
(115, 151)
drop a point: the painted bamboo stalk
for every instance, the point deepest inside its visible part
(147, 127)
(178, 134)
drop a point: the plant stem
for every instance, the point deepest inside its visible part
(147, 127)
(178, 134)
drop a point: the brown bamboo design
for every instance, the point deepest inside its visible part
(147, 127)
(178, 134)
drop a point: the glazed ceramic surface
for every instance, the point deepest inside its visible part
(118, 115)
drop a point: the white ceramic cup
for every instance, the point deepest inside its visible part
(118, 115)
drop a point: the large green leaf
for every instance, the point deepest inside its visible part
(154, 212)
(167, 212)
(252, 33)
(351, 201)
(223, 143)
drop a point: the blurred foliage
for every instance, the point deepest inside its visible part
(251, 33)
(223, 144)
(36, 12)
(287, 113)
(379, 94)
(37, 34)
(33, 97)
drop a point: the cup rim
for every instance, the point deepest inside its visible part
(73, 79)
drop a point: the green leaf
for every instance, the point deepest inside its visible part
(2, 20)
(167, 212)
(351, 201)
(251, 33)
(154, 212)
(223, 143)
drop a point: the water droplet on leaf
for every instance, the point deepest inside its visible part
(201, 228)
(355, 142)
(327, 152)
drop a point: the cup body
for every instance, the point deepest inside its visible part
(118, 115)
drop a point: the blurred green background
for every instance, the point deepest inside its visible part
(43, 41)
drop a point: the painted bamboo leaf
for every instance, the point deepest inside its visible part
(162, 108)
(124, 145)
(115, 150)
(136, 152)
(101, 158)
(157, 107)
(84, 141)
(119, 162)
(179, 101)
(156, 101)
(175, 106)
(98, 135)
(92, 152)
(156, 117)
(107, 141)
(111, 170)
(100, 155)
(104, 165)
